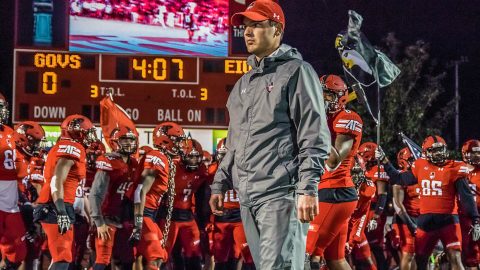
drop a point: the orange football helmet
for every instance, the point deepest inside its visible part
(169, 137)
(29, 136)
(405, 158)
(335, 93)
(221, 150)
(471, 152)
(124, 141)
(435, 149)
(192, 154)
(78, 128)
(367, 152)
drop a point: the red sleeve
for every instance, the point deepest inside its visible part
(155, 160)
(462, 170)
(103, 163)
(70, 150)
(349, 123)
(375, 174)
(415, 166)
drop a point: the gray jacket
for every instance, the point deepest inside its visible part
(278, 136)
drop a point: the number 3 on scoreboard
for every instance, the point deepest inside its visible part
(204, 93)
(49, 83)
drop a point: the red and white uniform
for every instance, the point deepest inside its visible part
(183, 224)
(438, 204)
(121, 177)
(470, 249)
(60, 246)
(12, 228)
(337, 196)
(81, 226)
(359, 220)
(28, 172)
(150, 246)
(227, 236)
(8, 174)
(69, 150)
(411, 202)
(376, 237)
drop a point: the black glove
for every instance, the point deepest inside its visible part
(137, 230)
(63, 220)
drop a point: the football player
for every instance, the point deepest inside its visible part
(377, 219)
(227, 235)
(12, 229)
(28, 138)
(157, 176)
(357, 240)
(337, 196)
(191, 175)
(65, 168)
(83, 223)
(406, 202)
(471, 249)
(441, 180)
(114, 176)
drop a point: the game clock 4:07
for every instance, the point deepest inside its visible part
(158, 69)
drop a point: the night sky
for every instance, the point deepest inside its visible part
(451, 28)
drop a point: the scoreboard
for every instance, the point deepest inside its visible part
(192, 91)
(67, 58)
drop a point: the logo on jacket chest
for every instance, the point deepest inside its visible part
(269, 87)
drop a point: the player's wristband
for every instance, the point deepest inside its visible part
(60, 206)
(138, 221)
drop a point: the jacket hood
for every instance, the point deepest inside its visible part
(284, 53)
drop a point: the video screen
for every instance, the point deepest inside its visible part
(166, 27)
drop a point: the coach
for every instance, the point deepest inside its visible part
(277, 142)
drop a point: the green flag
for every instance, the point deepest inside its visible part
(361, 60)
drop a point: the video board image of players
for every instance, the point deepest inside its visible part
(167, 27)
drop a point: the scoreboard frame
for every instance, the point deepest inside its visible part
(203, 85)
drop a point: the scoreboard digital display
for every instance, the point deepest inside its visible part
(50, 85)
(161, 60)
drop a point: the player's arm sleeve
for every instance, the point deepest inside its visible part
(312, 137)
(400, 178)
(466, 198)
(97, 195)
(381, 203)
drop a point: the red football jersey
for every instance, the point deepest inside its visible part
(36, 170)
(121, 176)
(358, 221)
(70, 150)
(374, 176)
(7, 155)
(212, 170)
(22, 166)
(411, 200)
(83, 189)
(474, 179)
(186, 184)
(157, 161)
(437, 185)
(349, 123)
